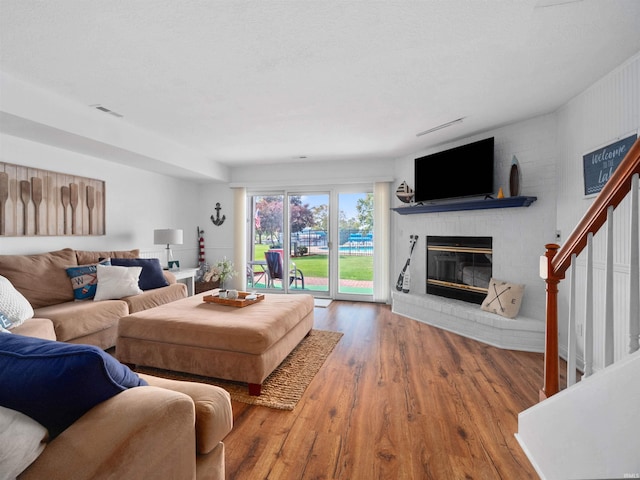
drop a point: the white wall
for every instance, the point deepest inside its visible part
(519, 234)
(137, 202)
(219, 241)
(606, 111)
(589, 430)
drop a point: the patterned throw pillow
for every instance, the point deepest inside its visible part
(84, 280)
(503, 298)
(14, 308)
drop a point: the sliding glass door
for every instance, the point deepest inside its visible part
(355, 244)
(309, 246)
(267, 232)
(324, 248)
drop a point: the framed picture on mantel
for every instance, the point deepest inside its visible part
(599, 165)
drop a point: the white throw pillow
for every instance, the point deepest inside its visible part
(14, 308)
(117, 282)
(22, 440)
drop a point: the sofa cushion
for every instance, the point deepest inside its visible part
(85, 257)
(22, 440)
(41, 278)
(152, 275)
(84, 280)
(73, 319)
(14, 308)
(117, 282)
(55, 383)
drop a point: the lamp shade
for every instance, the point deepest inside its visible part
(167, 236)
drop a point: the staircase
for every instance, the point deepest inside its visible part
(590, 429)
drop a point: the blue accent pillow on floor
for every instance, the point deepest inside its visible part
(55, 383)
(151, 276)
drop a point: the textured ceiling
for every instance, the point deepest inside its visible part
(248, 82)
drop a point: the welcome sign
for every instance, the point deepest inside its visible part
(600, 164)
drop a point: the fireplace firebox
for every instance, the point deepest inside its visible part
(459, 267)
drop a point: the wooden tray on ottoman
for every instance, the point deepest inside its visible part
(241, 301)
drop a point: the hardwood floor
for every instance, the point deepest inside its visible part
(396, 399)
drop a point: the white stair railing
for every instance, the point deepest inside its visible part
(558, 261)
(634, 296)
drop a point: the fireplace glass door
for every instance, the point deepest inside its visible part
(459, 267)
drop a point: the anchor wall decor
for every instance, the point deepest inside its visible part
(217, 221)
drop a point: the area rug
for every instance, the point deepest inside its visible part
(286, 384)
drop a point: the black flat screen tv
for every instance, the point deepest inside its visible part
(463, 171)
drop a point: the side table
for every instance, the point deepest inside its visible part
(186, 276)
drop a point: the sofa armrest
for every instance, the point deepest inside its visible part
(143, 432)
(170, 277)
(214, 416)
(36, 327)
(155, 297)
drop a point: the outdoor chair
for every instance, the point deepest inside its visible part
(255, 277)
(275, 267)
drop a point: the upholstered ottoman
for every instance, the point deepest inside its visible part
(240, 344)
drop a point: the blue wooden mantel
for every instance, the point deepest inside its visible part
(454, 206)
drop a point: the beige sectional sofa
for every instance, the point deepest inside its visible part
(160, 429)
(43, 280)
(169, 429)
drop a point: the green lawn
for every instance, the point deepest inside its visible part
(351, 267)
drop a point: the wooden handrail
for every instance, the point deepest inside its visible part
(558, 259)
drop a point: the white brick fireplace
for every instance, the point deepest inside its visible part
(515, 259)
(518, 234)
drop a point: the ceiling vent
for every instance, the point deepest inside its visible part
(440, 127)
(104, 109)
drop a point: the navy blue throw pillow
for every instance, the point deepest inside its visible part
(151, 276)
(55, 383)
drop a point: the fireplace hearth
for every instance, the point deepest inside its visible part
(459, 267)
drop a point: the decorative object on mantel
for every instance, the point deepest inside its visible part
(514, 178)
(217, 221)
(168, 237)
(457, 206)
(404, 192)
(41, 202)
(500, 193)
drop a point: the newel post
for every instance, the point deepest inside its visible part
(551, 356)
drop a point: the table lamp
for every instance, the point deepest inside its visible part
(168, 237)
